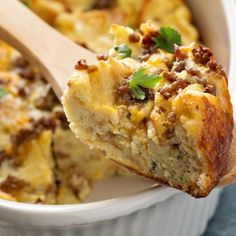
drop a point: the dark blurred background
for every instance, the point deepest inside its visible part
(223, 222)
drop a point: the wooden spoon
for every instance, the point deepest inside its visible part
(56, 55)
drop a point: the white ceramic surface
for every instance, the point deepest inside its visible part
(179, 215)
(139, 209)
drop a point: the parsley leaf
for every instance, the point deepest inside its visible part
(3, 92)
(137, 93)
(167, 38)
(123, 51)
(141, 79)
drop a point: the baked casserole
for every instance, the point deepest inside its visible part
(40, 159)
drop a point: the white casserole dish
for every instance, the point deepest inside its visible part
(139, 208)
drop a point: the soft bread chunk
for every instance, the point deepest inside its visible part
(179, 134)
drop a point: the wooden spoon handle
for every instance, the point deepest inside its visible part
(54, 54)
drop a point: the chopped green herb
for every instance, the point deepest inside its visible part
(167, 38)
(141, 79)
(3, 93)
(137, 93)
(123, 51)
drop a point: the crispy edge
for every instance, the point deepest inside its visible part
(215, 139)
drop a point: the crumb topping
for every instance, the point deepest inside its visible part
(103, 4)
(81, 65)
(12, 183)
(168, 91)
(102, 56)
(134, 38)
(178, 54)
(202, 55)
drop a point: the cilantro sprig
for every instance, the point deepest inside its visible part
(123, 51)
(3, 93)
(167, 38)
(141, 79)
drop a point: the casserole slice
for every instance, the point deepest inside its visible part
(158, 109)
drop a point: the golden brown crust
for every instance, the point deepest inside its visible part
(219, 80)
(229, 175)
(213, 134)
(215, 140)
